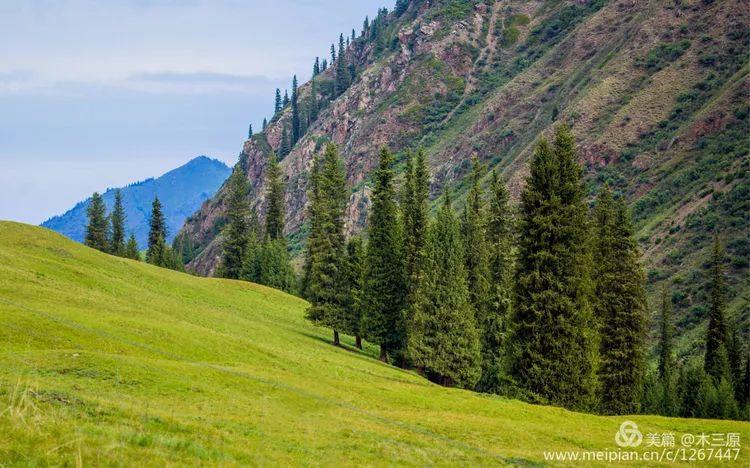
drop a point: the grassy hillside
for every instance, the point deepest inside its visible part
(106, 360)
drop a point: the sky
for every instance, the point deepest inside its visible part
(102, 93)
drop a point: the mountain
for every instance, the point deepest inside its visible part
(655, 92)
(181, 191)
(107, 361)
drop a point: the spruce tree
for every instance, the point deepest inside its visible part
(443, 339)
(157, 234)
(250, 268)
(385, 275)
(156, 254)
(250, 131)
(324, 65)
(314, 207)
(734, 352)
(726, 404)
(285, 101)
(265, 124)
(474, 233)
(554, 338)
(619, 306)
(401, 6)
(326, 288)
(313, 100)
(716, 363)
(277, 102)
(333, 54)
(342, 70)
(270, 265)
(414, 208)
(494, 324)
(354, 273)
(275, 201)
(236, 230)
(284, 145)
(316, 67)
(97, 229)
(118, 226)
(668, 404)
(296, 133)
(131, 249)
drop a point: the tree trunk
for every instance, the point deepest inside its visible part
(336, 341)
(358, 342)
(383, 354)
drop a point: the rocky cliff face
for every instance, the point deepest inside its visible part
(655, 91)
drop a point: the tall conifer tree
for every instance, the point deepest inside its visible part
(342, 69)
(716, 362)
(313, 100)
(620, 307)
(666, 366)
(275, 200)
(414, 209)
(157, 234)
(475, 243)
(296, 133)
(443, 338)
(326, 288)
(285, 101)
(236, 231)
(118, 225)
(354, 272)
(277, 102)
(131, 249)
(385, 275)
(284, 145)
(494, 324)
(554, 339)
(314, 207)
(97, 229)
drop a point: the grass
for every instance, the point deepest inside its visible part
(108, 361)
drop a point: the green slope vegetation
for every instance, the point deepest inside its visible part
(104, 360)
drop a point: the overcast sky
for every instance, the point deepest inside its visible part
(96, 94)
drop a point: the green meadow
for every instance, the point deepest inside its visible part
(108, 361)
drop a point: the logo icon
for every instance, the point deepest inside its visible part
(628, 435)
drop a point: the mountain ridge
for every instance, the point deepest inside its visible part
(182, 190)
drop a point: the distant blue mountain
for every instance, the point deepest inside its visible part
(181, 192)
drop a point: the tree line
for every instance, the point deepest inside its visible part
(106, 233)
(547, 304)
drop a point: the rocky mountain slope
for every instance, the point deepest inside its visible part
(655, 91)
(181, 191)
